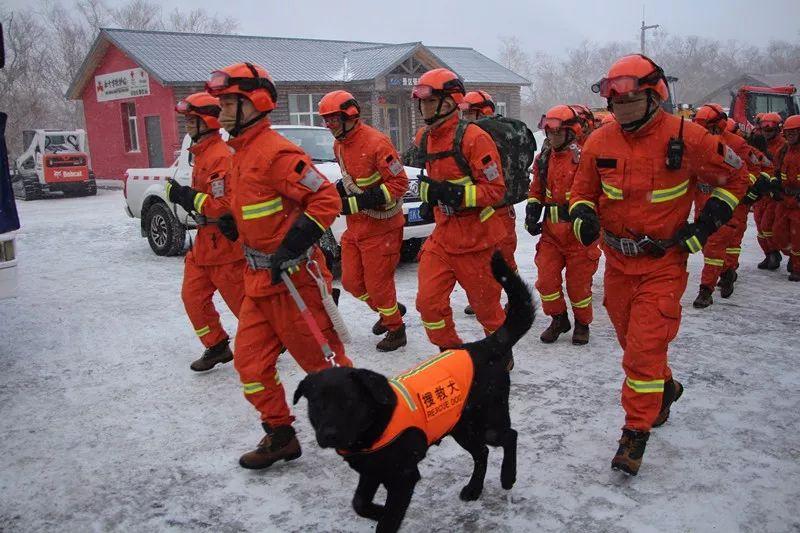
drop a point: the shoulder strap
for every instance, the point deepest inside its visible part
(458, 154)
(543, 163)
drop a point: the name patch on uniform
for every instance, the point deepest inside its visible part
(731, 158)
(395, 166)
(441, 397)
(312, 180)
(606, 163)
(218, 187)
(491, 171)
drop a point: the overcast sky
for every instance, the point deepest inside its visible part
(551, 26)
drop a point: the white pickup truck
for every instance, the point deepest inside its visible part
(165, 224)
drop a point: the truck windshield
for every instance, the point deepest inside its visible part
(317, 143)
(770, 103)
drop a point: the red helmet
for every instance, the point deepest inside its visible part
(339, 102)
(561, 116)
(770, 120)
(247, 79)
(791, 123)
(710, 115)
(439, 82)
(201, 105)
(632, 74)
(480, 101)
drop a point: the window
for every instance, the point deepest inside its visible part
(500, 108)
(303, 109)
(129, 129)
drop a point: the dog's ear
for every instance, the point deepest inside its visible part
(299, 391)
(376, 384)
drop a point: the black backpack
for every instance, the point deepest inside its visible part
(514, 141)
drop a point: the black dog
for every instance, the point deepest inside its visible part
(354, 410)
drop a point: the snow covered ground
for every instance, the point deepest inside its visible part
(103, 427)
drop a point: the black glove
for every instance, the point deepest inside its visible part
(693, 236)
(369, 199)
(181, 194)
(426, 212)
(533, 214)
(340, 189)
(776, 188)
(227, 226)
(443, 192)
(585, 224)
(300, 237)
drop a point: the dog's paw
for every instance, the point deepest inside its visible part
(470, 493)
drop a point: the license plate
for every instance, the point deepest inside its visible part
(413, 215)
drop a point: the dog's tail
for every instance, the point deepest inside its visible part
(520, 312)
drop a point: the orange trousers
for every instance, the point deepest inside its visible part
(438, 273)
(556, 250)
(266, 325)
(508, 246)
(199, 285)
(368, 266)
(764, 215)
(724, 242)
(645, 310)
(787, 233)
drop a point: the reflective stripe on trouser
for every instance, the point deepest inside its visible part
(557, 250)
(645, 311)
(438, 273)
(734, 248)
(764, 215)
(265, 325)
(368, 269)
(197, 291)
(716, 249)
(509, 244)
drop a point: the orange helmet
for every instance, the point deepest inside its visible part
(770, 120)
(561, 116)
(791, 123)
(201, 105)
(480, 101)
(439, 82)
(247, 79)
(710, 116)
(633, 74)
(585, 115)
(339, 102)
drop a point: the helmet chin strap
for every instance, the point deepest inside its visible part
(198, 123)
(345, 131)
(438, 115)
(569, 138)
(652, 107)
(239, 127)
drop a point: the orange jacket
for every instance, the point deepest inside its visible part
(372, 161)
(789, 170)
(774, 146)
(624, 177)
(561, 168)
(752, 162)
(430, 397)
(210, 176)
(274, 182)
(474, 228)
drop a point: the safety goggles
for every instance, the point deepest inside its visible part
(333, 120)
(554, 123)
(423, 92)
(607, 87)
(221, 81)
(183, 107)
(768, 126)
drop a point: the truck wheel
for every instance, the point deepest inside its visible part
(28, 188)
(165, 234)
(91, 188)
(410, 249)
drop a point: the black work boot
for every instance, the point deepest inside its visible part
(393, 340)
(218, 354)
(559, 325)
(794, 276)
(580, 335)
(279, 443)
(726, 281)
(704, 298)
(774, 261)
(789, 267)
(673, 390)
(379, 329)
(468, 310)
(630, 452)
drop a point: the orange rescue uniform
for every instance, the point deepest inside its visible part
(274, 182)
(214, 263)
(463, 240)
(558, 248)
(787, 219)
(371, 244)
(623, 176)
(764, 209)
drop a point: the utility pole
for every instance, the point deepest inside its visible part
(645, 28)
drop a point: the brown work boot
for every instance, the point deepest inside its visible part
(704, 298)
(630, 452)
(279, 443)
(218, 354)
(580, 335)
(379, 329)
(726, 281)
(673, 390)
(559, 325)
(393, 340)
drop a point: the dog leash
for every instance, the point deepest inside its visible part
(305, 312)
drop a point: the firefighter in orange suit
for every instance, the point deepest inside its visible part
(214, 263)
(636, 180)
(466, 231)
(769, 125)
(280, 208)
(558, 248)
(787, 217)
(727, 240)
(372, 188)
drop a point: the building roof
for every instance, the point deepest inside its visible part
(188, 58)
